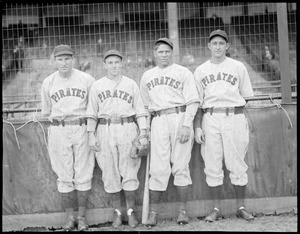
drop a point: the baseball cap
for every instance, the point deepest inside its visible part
(165, 40)
(112, 52)
(62, 49)
(218, 32)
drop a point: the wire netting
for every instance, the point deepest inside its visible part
(30, 31)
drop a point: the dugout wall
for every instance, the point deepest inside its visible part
(30, 197)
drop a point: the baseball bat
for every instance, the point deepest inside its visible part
(145, 210)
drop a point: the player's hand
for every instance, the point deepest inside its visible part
(199, 136)
(93, 143)
(184, 134)
(144, 141)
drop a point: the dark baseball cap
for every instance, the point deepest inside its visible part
(218, 32)
(62, 49)
(112, 52)
(165, 40)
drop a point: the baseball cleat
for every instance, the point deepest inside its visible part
(182, 218)
(213, 216)
(82, 225)
(152, 220)
(132, 221)
(117, 220)
(242, 213)
(70, 224)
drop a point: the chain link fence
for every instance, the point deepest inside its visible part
(30, 31)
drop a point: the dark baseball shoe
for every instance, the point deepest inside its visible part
(117, 220)
(132, 221)
(183, 218)
(242, 213)
(213, 216)
(82, 225)
(152, 220)
(70, 224)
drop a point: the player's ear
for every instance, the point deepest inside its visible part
(154, 53)
(227, 46)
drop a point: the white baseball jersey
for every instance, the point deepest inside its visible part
(64, 98)
(168, 87)
(112, 100)
(223, 85)
(109, 99)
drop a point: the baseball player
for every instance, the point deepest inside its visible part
(170, 95)
(220, 124)
(64, 96)
(115, 104)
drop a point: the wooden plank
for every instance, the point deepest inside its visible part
(198, 208)
(173, 29)
(283, 40)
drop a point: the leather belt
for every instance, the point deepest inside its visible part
(172, 110)
(226, 110)
(121, 120)
(80, 121)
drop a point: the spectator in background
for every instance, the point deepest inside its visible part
(268, 54)
(20, 24)
(22, 52)
(188, 59)
(16, 58)
(216, 20)
(149, 63)
(100, 47)
(270, 64)
(45, 46)
(18, 54)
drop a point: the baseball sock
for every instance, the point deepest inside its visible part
(68, 202)
(116, 201)
(82, 198)
(154, 200)
(216, 196)
(130, 199)
(183, 192)
(240, 195)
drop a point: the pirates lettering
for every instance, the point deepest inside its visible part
(73, 92)
(116, 94)
(163, 81)
(220, 76)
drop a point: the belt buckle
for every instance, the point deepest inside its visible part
(114, 119)
(55, 122)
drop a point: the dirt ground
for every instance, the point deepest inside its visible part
(284, 222)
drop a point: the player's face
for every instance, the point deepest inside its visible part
(218, 47)
(64, 63)
(163, 55)
(113, 65)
